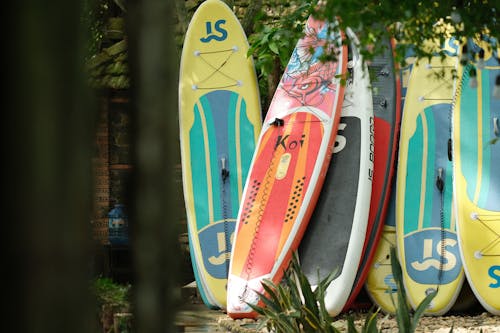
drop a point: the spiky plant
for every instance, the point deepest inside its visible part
(292, 306)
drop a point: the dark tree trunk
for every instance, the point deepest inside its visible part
(48, 135)
(272, 82)
(248, 20)
(155, 138)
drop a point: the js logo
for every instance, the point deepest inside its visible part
(224, 252)
(219, 36)
(431, 258)
(428, 260)
(216, 242)
(494, 273)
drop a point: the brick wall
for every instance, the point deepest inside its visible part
(111, 162)
(119, 146)
(100, 164)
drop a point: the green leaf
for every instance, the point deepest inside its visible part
(311, 319)
(370, 325)
(403, 317)
(421, 309)
(273, 299)
(270, 304)
(285, 297)
(286, 324)
(351, 327)
(309, 297)
(402, 310)
(260, 310)
(274, 48)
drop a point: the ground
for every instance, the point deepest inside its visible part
(194, 316)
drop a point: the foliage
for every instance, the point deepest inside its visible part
(95, 14)
(276, 33)
(111, 294)
(277, 38)
(111, 298)
(292, 306)
(412, 23)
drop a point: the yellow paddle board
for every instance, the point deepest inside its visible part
(476, 159)
(425, 223)
(220, 120)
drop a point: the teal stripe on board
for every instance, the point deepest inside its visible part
(213, 159)
(486, 137)
(413, 179)
(196, 270)
(198, 171)
(448, 196)
(468, 135)
(233, 150)
(247, 141)
(430, 181)
(245, 145)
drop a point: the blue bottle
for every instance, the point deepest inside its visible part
(118, 225)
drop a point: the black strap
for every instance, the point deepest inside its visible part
(278, 122)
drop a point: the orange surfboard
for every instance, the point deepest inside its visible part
(288, 167)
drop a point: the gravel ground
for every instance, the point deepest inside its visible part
(467, 316)
(484, 322)
(460, 323)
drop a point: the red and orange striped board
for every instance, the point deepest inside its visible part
(288, 167)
